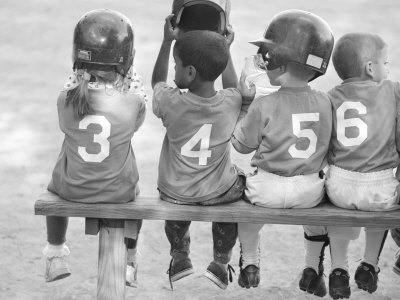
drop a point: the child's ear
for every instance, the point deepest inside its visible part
(369, 70)
(191, 72)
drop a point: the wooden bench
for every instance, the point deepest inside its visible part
(112, 250)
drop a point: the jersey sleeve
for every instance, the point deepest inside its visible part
(161, 93)
(141, 114)
(248, 130)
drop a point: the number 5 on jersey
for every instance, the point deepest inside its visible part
(202, 136)
(304, 133)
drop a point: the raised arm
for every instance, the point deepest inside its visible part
(229, 77)
(248, 93)
(160, 71)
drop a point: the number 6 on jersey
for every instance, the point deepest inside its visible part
(202, 136)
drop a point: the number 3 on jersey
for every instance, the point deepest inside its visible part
(202, 136)
(100, 138)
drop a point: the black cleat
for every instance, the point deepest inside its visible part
(313, 283)
(366, 277)
(249, 277)
(339, 285)
(396, 266)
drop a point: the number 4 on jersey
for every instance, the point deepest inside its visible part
(202, 136)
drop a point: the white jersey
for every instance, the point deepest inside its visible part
(290, 130)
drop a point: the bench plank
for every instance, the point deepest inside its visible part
(151, 208)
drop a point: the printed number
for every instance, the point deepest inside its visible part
(100, 138)
(342, 123)
(306, 133)
(202, 136)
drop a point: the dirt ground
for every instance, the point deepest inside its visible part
(35, 55)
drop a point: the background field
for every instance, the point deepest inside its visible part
(35, 58)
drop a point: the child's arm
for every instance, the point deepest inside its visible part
(141, 115)
(247, 135)
(160, 71)
(229, 77)
(248, 94)
(239, 147)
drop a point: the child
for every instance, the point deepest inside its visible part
(195, 166)
(363, 152)
(290, 131)
(98, 116)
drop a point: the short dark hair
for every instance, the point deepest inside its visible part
(352, 50)
(206, 51)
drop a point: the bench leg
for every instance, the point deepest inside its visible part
(112, 261)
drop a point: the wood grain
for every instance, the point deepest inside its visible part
(112, 261)
(151, 208)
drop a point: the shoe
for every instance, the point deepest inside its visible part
(313, 283)
(219, 275)
(339, 285)
(56, 268)
(249, 276)
(131, 275)
(179, 269)
(396, 267)
(366, 277)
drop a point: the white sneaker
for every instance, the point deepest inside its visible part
(131, 275)
(56, 268)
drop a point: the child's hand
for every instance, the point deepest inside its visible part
(248, 92)
(230, 35)
(170, 33)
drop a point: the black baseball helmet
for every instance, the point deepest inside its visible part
(104, 37)
(299, 37)
(210, 15)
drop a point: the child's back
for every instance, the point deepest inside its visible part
(364, 122)
(97, 154)
(195, 163)
(282, 149)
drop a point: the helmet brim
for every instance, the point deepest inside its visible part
(264, 42)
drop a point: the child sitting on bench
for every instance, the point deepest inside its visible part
(98, 115)
(195, 166)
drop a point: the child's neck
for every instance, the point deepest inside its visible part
(204, 89)
(294, 82)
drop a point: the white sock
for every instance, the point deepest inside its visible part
(339, 249)
(249, 237)
(55, 250)
(313, 252)
(373, 244)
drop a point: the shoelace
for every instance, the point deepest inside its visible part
(169, 274)
(230, 270)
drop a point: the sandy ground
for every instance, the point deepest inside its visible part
(35, 57)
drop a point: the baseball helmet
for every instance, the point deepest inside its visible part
(297, 36)
(104, 37)
(210, 15)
